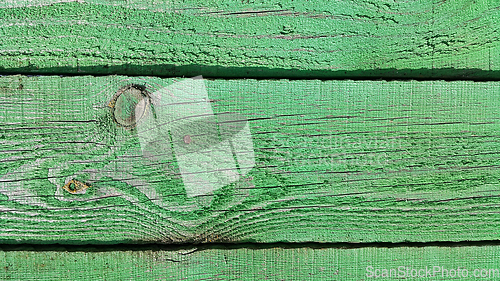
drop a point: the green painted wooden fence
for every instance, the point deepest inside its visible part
(335, 161)
(268, 166)
(223, 263)
(265, 39)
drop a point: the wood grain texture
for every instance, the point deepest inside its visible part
(268, 39)
(335, 161)
(439, 263)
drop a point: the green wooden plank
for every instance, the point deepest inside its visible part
(333, 161)
(407, 263)
(268, 39)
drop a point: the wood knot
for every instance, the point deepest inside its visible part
(129, 105)
(76, 187)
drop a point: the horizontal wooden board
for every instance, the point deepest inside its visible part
(404, 263)
(268, 39)
(334, 161)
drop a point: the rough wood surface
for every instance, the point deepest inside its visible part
(405, 263)
(269, 39)
(335, 161)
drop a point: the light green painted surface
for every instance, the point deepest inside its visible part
(335, 161)
(267, 39)
(430, 263)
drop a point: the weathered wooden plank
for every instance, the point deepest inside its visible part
(324, 161)
(412, 263)
(268, 39)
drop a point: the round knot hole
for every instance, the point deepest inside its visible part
(129, 105)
